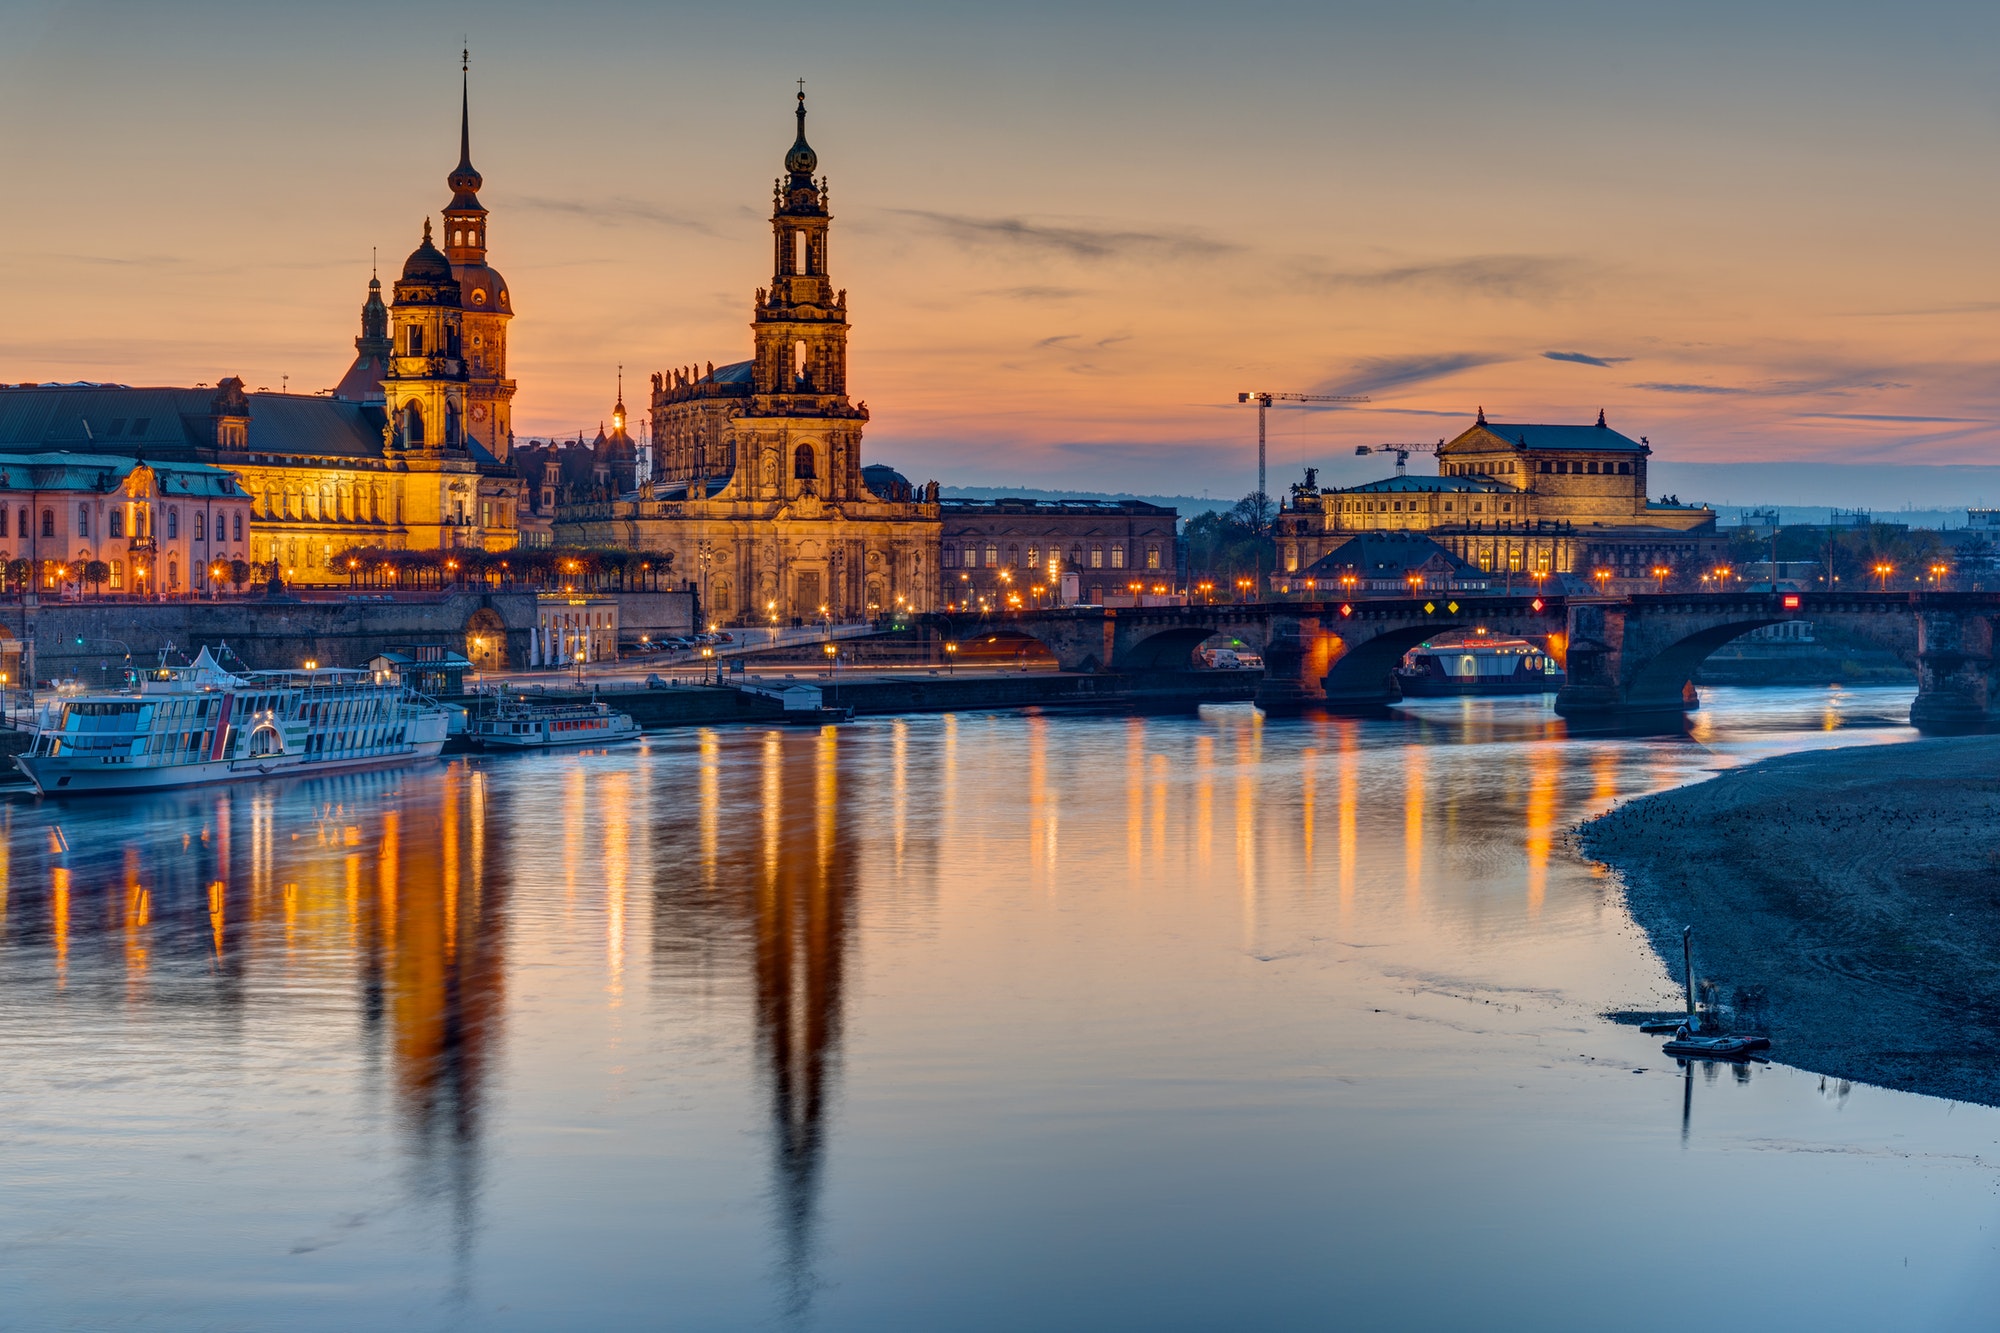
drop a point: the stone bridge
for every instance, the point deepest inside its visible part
(1630, 660)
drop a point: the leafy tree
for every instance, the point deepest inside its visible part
(96, 573)
(239, 573)
(1223, 547)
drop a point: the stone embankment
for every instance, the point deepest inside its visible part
(1847, 900)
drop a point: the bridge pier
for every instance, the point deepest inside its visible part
(1293, 666)
(1601, 687)
(1955, 688)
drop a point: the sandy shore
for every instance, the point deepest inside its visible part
(1846, 901)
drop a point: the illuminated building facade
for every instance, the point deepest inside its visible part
(756, 485)
(1537, 502)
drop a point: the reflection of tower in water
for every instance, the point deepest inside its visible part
(773, 897)
(432, 973)
(804, 903)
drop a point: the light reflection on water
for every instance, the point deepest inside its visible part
(976, 1021)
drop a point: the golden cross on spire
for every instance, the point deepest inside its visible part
(802, 90)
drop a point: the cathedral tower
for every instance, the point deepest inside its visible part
(800, 371)
(484, 300)
(424, 392)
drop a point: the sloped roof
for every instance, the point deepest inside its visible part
(1403, 485)
(165, 422)
(1600, 439)
(62, 470)
(1385, 555)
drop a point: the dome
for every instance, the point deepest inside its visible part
(484, 290)
(427, 263)
(885, 483)
(802, 160)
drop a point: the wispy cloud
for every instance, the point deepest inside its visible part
(1032, 293)
(1655, 386)
(1586, 359)
(1903, 421)
(1516, 277)
(1072, 240)
(617, 210)
(1389, 372)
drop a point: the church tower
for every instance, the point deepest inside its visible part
(424, 392)
(799, 376)
(363, 381)
(485, 303)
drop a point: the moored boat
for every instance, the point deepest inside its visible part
(507, 724)
(1455, 664)
(181, 726)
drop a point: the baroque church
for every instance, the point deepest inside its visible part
(409, 451)
(757, 486)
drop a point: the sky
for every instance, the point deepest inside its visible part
(1071, 234)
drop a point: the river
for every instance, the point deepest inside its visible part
(985, 1021)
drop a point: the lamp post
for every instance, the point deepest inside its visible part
(1660, 573)
(950, 659)
(1602, 577)
(1883, 569)
(1938, 571)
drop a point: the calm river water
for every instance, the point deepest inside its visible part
(971, 1022)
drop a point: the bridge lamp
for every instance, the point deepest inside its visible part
(1882, 572)
(1937, 573)
(1660, 573)
(312, 664)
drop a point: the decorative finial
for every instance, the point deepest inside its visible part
(1600, 416)
(374, 263)
(1482, 416)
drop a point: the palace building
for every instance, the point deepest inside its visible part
(756, 485)
(409, 451)
(1539, 502)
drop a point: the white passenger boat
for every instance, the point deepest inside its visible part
(180, 726)
(507, 724)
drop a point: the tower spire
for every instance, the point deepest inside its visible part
(465, 110)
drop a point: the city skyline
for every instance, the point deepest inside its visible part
(1066, 269)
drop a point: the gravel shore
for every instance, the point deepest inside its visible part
(1847, 902)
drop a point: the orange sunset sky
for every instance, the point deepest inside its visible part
(1070, 233)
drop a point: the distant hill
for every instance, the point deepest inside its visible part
(1187, 505)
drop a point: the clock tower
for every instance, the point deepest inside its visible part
(484, 298)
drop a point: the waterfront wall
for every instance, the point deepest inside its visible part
(88, 641)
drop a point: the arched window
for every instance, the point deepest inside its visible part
(173, 523)
(801, 372)
(451, 425)
(238, 526)
(200, 527)
(413, 426)
(802, 463)
(83, 520)
(1624, 469)
(118, 520)
(414, 340)
(48, 522)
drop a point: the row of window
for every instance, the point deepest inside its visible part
(56, 573)
(1549, 467)
(116, 525)
(1397, 507)
(966, 556)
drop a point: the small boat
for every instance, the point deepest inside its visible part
(518, 725)
(1713, 1048)
(1454, 664)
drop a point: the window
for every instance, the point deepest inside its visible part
(992, 555)
(3, 520)
(201, 527)
(1153, 556)
(1013, 557)
(415, 341)
(117, 574)
(23, 529)
(1624, 469)
(802, 463)
(238, 525)
(1034, 555)
(83, 520)
(1096, 557)
(413, 426)
(971, 558)
(117, 521)
(48, 522)
(951, 557)
(1117, 556)
(173, 523)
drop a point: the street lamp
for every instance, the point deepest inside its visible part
(950, 659)
(1883, 570)
(1660, 573)
(832, 651)
(1938, 571)
(1603, 577)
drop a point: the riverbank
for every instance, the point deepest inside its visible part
(1846, 901)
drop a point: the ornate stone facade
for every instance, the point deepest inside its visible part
(1519, 500)
(756, 487)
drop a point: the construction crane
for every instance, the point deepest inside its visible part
(1402, 452)
(1264, 401)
